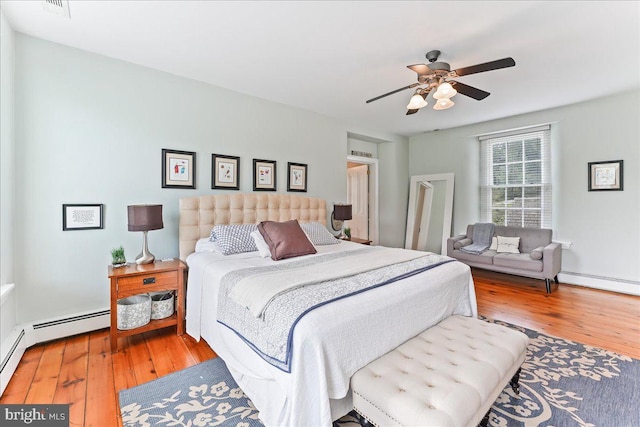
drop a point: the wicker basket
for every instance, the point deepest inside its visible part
(134, 311)
(161, 304)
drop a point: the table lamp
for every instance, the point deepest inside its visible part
(144, 218)
(340, 214)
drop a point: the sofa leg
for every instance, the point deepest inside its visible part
(556, 280)
(547, 283)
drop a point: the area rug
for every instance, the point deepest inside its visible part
(563, 383)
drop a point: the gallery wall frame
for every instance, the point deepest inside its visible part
(82, 216)
(264, 175)
(297, 177)
(178, 169)
(225, 172)
(606, 175)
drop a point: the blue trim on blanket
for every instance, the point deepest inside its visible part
(287, 362)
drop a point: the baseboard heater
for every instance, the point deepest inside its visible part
(10, 353)
(70, 319)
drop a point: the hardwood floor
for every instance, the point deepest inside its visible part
(82, 371)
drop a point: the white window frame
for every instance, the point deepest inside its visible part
(487, 142)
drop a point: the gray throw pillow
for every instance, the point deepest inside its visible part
(537, 252)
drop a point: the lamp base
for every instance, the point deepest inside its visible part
(145, 257)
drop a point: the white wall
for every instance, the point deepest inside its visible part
(604, 227)
(90, 129)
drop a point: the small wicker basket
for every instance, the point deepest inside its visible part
(134, 311)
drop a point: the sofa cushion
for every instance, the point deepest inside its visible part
(508, 245)
(494, 244)
(463, 242)
(518, 261)
(485, 257)
(537, 252)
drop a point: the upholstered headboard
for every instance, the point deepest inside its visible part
(198, 215)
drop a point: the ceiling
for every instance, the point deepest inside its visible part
(329, 57)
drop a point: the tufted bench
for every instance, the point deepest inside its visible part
(449, 375)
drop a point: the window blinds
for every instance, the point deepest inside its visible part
(515, 174)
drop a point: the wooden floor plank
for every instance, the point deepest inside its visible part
(101, 408)
(169, 355)
(44, 383)
(18, 387)
(72, 380)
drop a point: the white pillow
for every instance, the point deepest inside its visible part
(205, 245)
(494, 244)
(318, 234)
(261, 244)
(508, 245)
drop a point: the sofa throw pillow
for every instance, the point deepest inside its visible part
(263, 248)
(537, 252)
(318, 234)
(285, 239)
(494, 244)
(235, 239)
(508, 245)
(461, 243)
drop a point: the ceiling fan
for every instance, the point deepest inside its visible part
(438, 76)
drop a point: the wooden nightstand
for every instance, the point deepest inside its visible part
(134, 279)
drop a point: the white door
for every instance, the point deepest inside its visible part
(358, 197)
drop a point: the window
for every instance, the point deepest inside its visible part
(516, 178)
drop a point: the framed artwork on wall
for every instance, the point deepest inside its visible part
(264, 175)
(296, 177)
(606, 176)
(225, 172)
(82, 217)
(178, 169)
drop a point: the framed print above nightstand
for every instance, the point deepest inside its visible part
(225, 172)
(606, 176)
(178, 169)
(264, 175)
(296, 177)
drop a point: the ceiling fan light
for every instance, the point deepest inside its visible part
(445, 91)
(443, 104)
(416, 102)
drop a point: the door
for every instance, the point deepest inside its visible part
(358, 197)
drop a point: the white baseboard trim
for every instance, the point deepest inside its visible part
(25, 335)
(598, 282)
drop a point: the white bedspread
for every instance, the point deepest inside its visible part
(331, 342)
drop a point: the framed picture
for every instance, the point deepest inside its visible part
(178, 169)
(81, 217)
(225, 172)
(264, 175)
(297, 177)
(605, 176)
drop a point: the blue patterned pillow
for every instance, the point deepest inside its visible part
(318, 234)
(235, 239)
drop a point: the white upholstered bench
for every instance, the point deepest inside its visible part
(449, 375)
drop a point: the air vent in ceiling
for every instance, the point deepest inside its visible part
(57, 7)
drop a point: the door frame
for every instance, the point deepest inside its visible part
(373, 194)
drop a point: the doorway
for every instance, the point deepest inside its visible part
(362, 195)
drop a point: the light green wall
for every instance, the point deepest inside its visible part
(90, 129)
(394, 191)
(7, 149)
(603, 227)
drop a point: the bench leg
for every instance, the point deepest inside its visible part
(484, 422)
(515, 382)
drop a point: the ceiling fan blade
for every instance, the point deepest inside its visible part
(392, 92)
(421, 69)
(487, 66)
(469, 91)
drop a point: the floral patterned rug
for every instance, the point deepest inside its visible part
(563, 383)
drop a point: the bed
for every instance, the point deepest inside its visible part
(327, 344)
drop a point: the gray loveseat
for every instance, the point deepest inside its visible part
(539, 258)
